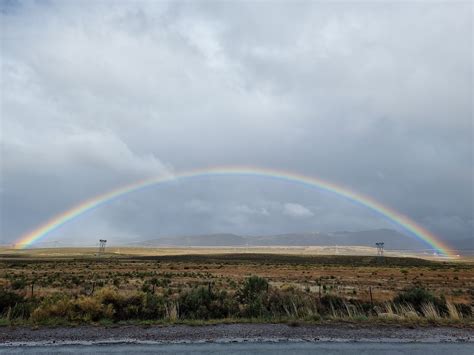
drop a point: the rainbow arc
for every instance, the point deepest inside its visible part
(405, 223)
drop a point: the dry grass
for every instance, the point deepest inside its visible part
(300, 280)
(453, 312)
(430, 311)
(351, 277)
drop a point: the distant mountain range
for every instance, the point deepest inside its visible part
(391, 238)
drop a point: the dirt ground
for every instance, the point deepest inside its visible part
(234, 332)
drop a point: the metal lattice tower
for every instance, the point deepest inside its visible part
(102, 246)
(380, 249)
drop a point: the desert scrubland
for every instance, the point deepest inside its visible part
(205, 285)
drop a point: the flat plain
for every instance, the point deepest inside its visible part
(76, 270)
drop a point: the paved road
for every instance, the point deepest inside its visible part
(285, 348)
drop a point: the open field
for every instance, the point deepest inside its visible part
(343, 274)
(119, 251)
(291, 285)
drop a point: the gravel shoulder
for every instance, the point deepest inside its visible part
(231, 333)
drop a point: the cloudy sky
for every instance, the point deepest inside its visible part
(376, 96)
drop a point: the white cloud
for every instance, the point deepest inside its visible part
(251, 210)
(296, 210)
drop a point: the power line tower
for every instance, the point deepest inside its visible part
(101, 247)
(380, 250)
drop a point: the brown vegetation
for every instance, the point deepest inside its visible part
(234, 286)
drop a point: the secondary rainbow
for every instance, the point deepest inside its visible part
(393, 216)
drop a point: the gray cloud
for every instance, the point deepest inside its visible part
(374, 96)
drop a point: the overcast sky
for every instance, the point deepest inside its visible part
(376, 96)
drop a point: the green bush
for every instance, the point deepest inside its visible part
(465, 310)
(18, 283)
(20, 310)
(253, 288)
(154, 307)
(253, 295)
(418, 296)
(125, 306)
(202, 303)
(8, 300)
(331, 302)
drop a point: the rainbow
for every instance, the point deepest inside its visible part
(393, 216)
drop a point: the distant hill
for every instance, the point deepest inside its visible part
(392, 239)
(205, 240)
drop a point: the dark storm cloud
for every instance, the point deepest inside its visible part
(375, 96)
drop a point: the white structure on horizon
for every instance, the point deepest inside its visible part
(380, 248)
(102, 243)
